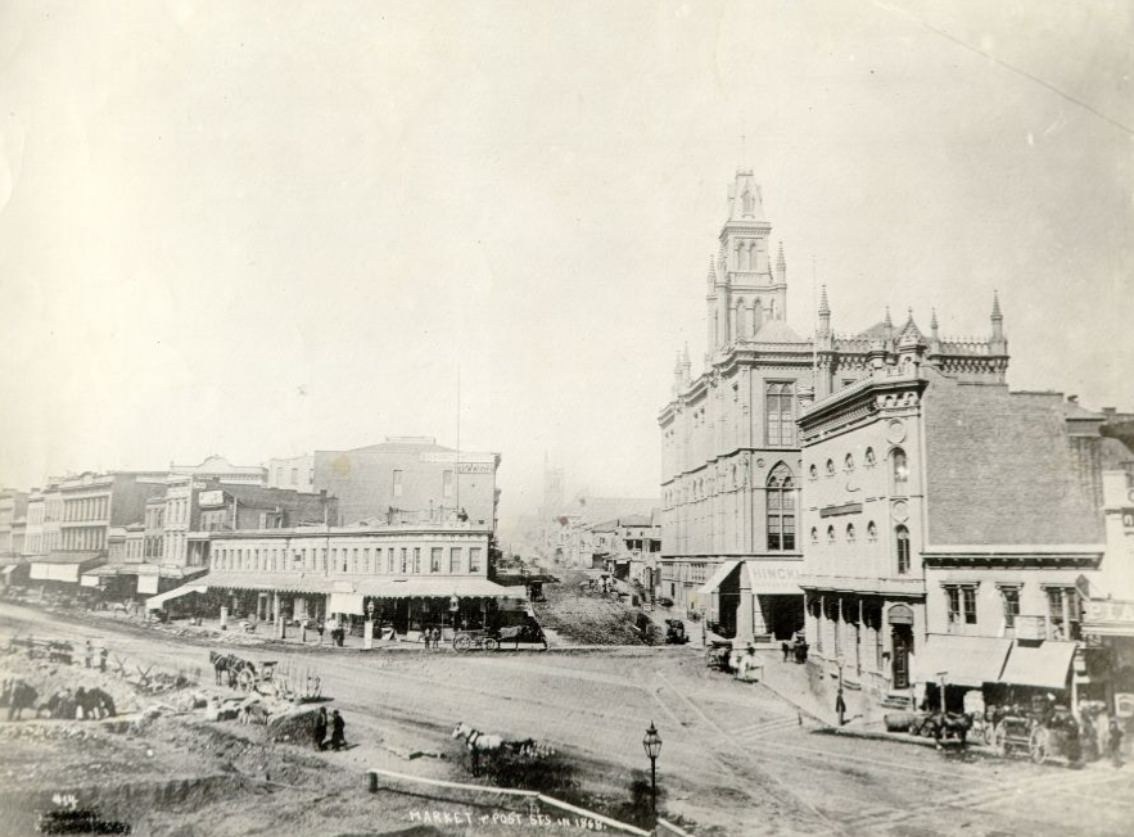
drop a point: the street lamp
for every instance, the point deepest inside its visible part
(652, 745)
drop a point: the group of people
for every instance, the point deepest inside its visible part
(431, 637)
(796, 649)
(338, 730)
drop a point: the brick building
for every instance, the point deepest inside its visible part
(948, 523)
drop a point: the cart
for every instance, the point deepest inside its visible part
(717, 655)
(475, 641)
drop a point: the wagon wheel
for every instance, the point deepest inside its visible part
(1038, 745)
(490, 644)
(245, 679)
(462, 642)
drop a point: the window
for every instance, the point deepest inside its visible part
(295, 476)
(900, 473)
(397, 484)
(1010, 599)
(869, 458)
(778, 411)
(455, 559)
(781, 509)
(830, 467)
(474, 559)
(871, 532)
(447, 484)
(417, 559)
(961, 601)
(405, 553)
(435, 559)
(850, 533)
(1064, 617)
(390, 560)
(902, 544)
(830, 534)
(813, 472)
(848, 463)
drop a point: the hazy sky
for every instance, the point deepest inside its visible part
(256, 229)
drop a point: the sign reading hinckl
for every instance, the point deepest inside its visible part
(210, 499)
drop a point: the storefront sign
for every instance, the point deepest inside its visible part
(210, 499)
(1112, 612)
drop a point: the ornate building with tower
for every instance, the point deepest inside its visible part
(732, 471)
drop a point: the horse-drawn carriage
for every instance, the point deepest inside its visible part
(529, 630)
(1042, 739)
(238, 673)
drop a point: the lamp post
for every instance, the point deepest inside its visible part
(652, 745)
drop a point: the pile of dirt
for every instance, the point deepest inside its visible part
(590, 619)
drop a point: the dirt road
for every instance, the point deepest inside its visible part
(734, 755)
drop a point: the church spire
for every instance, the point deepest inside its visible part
(781, 265)
(824, 312)
(997, 320)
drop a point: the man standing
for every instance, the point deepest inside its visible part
(338, 726)
(88, 654)
(1114, 741)
(102, 655)
(320, 732)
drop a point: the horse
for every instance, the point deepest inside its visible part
(61, 704)
(18, 696)
(95, 703)
(948, 725)
(477, 742)
(229, 665)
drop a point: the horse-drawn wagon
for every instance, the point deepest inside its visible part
(1042, 739)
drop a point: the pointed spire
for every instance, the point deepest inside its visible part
(933, 322)
(824, 308)
(780, 263)
(889, 323)
(997, 321)
(996, 315)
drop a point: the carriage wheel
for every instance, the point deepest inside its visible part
(490, 644)
(1038, 745)
(245, 680)
(462, 642)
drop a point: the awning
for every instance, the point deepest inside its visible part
(64, 566)
(1045, 665)
(439, 586)
(961, 660)
(8, 570)
(275, 582)
(774, 578)
(717, 578)
(156, 602)
(346, 603)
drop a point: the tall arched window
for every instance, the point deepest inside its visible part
(778, 411)
(900, 473)
(781, 509)
(902, 544)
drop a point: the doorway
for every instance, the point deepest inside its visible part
(902, 637)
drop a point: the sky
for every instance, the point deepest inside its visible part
(259, 229)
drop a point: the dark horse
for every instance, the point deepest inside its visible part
(228, 665)
(95, 703)
(18, 696)
(948, 725)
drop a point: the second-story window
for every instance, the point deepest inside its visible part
(781, 509)
(778, 400)
(900, 473)
(902, 547)
(1010, 599)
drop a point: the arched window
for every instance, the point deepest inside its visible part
(902, 544)
(850, 533)
(848, 462)
(830, 467)
(778, 412)
(869, 458)
(781, 509)
(813, 472)
(814, 535)
(871, 532)
(900, 472)
(830, 534)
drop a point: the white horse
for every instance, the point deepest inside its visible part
(478, 742)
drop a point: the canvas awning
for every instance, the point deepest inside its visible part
(437, 586)
(965, 660)
(156, 602)
(717, 578)
(275, 582)
(1045, 665)
(64, 566)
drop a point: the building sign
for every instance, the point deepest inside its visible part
(845, 508)
(1114, 613)
(210, 499)
(147, 584)
(774, 578)
(1031, 627)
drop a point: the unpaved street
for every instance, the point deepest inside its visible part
(735, 756)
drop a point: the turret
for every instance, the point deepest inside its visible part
(997, 323)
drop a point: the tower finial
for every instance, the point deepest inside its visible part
(889, 323)
(997, 320)
(996, 315)
(824, 307)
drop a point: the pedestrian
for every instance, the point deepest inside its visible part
(1114, 741)
(436, 639)
(88, 654)
(320, 731)
(841, 707)
(319, 628)
(338, 725)
(786, 649)
(426, 635)
(102, 655)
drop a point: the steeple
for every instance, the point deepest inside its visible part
(934, 335)
(686, 366)
(824, 312)
(997, 324)
(781, 265)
